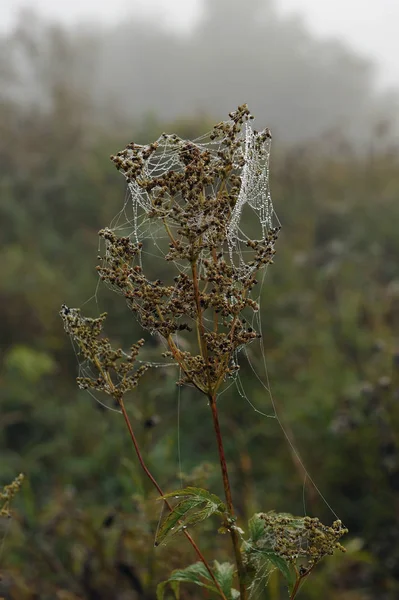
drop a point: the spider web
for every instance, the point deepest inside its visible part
(254, 152)
(253, 211)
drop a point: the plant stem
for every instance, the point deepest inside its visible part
(227, 490)
(296, 588)
(298, 582)
(222, 459)
(200, 325)
(154, 482)
(161, 493)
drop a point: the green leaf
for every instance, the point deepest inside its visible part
(198, 493)
(196, 506)
(195, 573)
(161, 590)
(161, 587)
(259, 546)
(286, 569)
(174, 522)
(224, 574)
(256, 527)
(198, 574)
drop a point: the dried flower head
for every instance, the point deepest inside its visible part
(301, 538)
(196, 193)
(115, 370)
(8, 493)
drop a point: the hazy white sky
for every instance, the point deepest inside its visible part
(370, 26)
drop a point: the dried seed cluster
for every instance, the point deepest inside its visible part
(159, 307)
(8, 493)
(115, 370)
(194, 202)
(302, 538)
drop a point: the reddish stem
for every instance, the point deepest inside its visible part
(161, 493)
(229, 501)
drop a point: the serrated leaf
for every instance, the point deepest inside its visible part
(224, 574)
(287, 570)
(196, 492)
(201, 515)
(198, 574)
(197, 505)
(256, 527)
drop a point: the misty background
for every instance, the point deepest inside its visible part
(129, 61)
(78, 81)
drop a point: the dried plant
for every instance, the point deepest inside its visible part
(198, 195)
(7, 494)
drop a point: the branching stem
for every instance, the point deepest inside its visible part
(229, 501)
(146, 470)
(222, 459)
(161, 493)
(298, 582)
(200, 323)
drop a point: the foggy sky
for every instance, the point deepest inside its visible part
(369, 26)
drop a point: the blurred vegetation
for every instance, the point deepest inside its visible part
(300, 83)
(84, 521)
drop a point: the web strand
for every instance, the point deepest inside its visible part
(138, 220)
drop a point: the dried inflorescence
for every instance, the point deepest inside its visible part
(194, 198)
(304, 538)
(7, 494)
(116, 372)
(197, 194)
